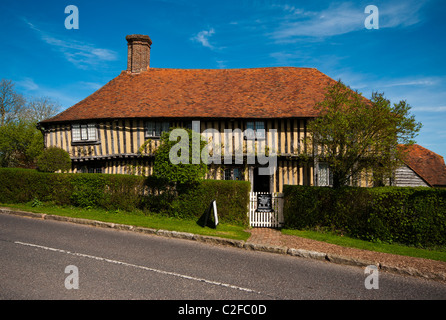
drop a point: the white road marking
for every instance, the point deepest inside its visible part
(139, 267)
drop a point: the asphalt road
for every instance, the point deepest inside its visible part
(58, 260)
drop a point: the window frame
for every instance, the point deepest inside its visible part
(258, 126)
(90, 169)
(164, 127)
(84, 133)
(234, 173)
(324, 175)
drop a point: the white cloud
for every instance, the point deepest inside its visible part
(332, 21)
(203, 38)
(27, 84)
(414, 86)
(341, 19)
(83, 55)
(421, 82)
(221, 64)
(403, 14)
(91, 85)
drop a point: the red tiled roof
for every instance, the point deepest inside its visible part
(278, 92)
(427, 164)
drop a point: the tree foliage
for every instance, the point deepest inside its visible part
(353, 134)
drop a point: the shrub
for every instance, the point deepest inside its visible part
(412, 216)
(54, 159)
(187, 171)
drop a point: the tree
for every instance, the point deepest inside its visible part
(20, 144)
(20, 141)
(188, 171)
(38, 109)
(54, 159)
(11, 102)
(353, 134)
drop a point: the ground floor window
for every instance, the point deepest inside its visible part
(89, 168)
(324, 178)
(233, 174)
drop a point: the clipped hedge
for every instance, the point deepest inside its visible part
(80, 189)
(126, 192)
(23, 185)
(411, 216)
(232, 198)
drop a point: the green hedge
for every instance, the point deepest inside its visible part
(126, 192)
(232, 198)
(412, 216)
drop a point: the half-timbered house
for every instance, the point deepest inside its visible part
(117, 128)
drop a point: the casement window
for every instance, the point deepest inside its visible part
(154, 129)
(325, 178)
(233, 174)
(193, 125)
(89, 169)
(84, 132)
(255, 130)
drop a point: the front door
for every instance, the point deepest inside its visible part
(261, 182)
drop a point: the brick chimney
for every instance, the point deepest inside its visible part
(138, 54)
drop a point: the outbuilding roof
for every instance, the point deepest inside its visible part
(427, 164)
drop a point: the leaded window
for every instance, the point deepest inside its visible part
(84, 132)
(255, 130)
(154, 129)
(325, 178)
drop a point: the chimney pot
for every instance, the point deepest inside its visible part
(138, 54)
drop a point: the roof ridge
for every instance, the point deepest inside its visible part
(229, 69)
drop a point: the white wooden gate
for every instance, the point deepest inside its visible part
(273, 219)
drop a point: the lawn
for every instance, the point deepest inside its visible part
(138, 219)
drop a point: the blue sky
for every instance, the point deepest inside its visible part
(404, 58)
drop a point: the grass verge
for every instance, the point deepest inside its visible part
(223, 230)
(433, 254)
(138, 219)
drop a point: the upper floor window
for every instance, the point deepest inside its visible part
(193, 125)
(154, 129)
(84, 132)
(255, 130)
